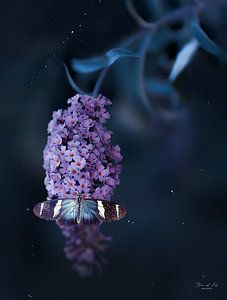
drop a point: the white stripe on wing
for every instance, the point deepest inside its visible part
(57, 208)
(118, 211)
(101, 209)
(41, 208)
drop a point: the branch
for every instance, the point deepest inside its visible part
(100, 81)
(130, 40)
(72, 82)
(131, 8)
(185, 12)
(143, 94)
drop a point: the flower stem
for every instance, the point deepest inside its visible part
(71, 81)
(186, 11)
(130, 40)
(143, 94)
(100, 81)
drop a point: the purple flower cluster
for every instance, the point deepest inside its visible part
(84, 247)
(79, 159)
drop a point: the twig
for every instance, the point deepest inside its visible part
(133, 38)
(71, 81)
(184, 12)
(137, 17)
(187, 11)
(100, 81)
(142, 61)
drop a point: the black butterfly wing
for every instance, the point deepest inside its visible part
(68, 212)
(65, 211)
(97, 211)
(111, 211)
(89, 213)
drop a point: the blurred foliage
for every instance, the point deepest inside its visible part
(164, 48)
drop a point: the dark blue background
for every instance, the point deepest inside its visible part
(174, 179)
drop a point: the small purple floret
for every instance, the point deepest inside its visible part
(79, 159)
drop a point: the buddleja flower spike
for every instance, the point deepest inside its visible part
(82, 171)
(82, 168)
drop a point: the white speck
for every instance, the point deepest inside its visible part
(27, 208)
(63, 42)
(132, 222)
(172, 192)
(45, 66)
(80, 25)
(72, 31)
(29, 296)
(182, 223)
(85, 14)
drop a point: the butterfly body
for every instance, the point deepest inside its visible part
(78, 217)
(68, 212)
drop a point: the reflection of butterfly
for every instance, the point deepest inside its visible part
(68, 212)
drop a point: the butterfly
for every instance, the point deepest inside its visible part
(69, 212)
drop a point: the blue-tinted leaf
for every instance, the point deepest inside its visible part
(96, 63)
(117, 53)
(183, 58)
(204, 41)
(159, 87)
(89, 65)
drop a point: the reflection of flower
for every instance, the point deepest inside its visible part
(79, 158)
